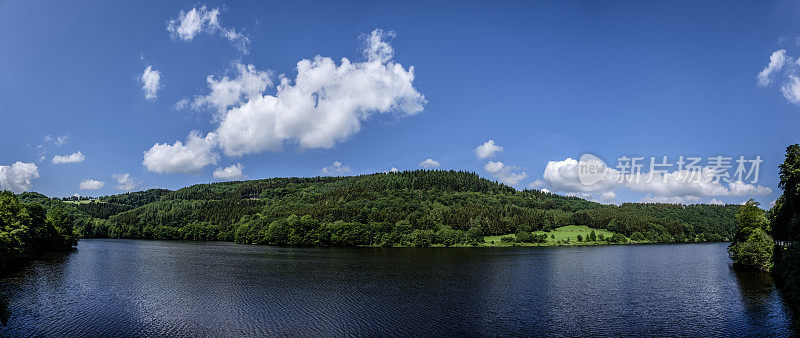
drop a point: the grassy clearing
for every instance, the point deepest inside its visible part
(83, 201)
(570, 232)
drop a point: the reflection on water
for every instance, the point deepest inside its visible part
(756, 287)
(4, 313)
(123, 288)
(758, 292)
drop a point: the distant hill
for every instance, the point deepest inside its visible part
(410, 207)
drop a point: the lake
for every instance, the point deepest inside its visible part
(171, 288)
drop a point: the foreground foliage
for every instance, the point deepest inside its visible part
(27, 230)
(785, 223)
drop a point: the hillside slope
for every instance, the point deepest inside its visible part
(410, 208)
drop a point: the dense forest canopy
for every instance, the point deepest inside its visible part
(420, 207)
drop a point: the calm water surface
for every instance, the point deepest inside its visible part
(164, 288)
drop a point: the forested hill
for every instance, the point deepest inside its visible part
(405, 208)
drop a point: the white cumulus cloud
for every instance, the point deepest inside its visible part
(563, 176)
(151, 82)
(504, 173)
(229, 173)
(428, 163)
(670, 199)
(190, 23)
(335, 169)
(325, 104)
(90, 184)
(71, 158)
(125, 181)
(190, 158)
(226, 92)
(18, 177)
(487, 150)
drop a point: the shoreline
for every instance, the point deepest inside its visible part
(485, 245)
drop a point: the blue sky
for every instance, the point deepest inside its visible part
(546, 81)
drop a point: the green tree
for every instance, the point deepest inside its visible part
(63, 224)
(524, 237)
(752, 246)
(507, 239)
(785, 225)
(617, 238)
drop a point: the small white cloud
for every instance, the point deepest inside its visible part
(194, 21)
(71, 158)
(487, 150)
(58, 140)
(716, 202)
(670, 199)
(125, 181)
(90, 184)
(230, 173)
(537, 184)
(18, 177)
(179, 158)
(151, 82)
(505, 174)
(776, 62)
(428, 163)
(335, 169)
(608, 197)
(394, 170)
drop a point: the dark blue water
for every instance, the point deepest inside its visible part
(131, 288)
